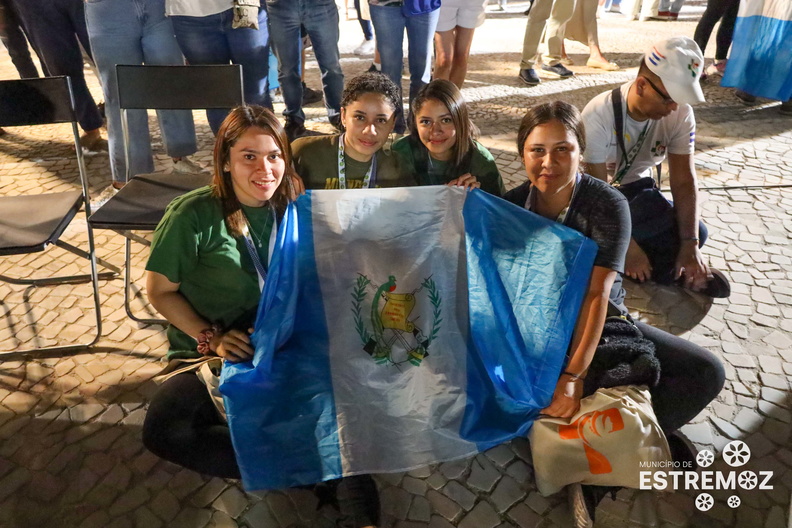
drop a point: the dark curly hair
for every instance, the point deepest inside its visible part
(371, 83)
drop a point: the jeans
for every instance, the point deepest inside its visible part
(136, 32)
(673, 6)
(212, 40)
(365, 25)
(389, 25)
(726, 12)
(58, 29)
(661, 244)
(320, 19)
(14, 40)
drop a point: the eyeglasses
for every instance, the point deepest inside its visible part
(666, 98)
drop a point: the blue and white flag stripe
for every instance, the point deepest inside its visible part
(399, 328)
(761, 52)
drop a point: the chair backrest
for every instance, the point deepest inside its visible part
(43, 101)
(179, 87)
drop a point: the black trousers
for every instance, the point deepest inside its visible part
(726, 12)
(655, 228)
(183, 427)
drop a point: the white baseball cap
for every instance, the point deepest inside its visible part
(678, 62)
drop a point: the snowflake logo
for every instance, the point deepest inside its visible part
(734, 501)
(736, 453)
(704, 501)
(705, 458)
(747, 480)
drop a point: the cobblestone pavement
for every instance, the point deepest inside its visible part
(71, 455)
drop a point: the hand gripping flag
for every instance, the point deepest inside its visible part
(760, 62)
(399, 328)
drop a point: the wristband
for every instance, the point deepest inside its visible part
(574, 376)
(205, 337)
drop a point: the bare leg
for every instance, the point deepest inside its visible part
(444, 54)
(459, 67)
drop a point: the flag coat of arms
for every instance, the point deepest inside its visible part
(402, 327)
(761, 52)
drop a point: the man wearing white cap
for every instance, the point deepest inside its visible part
(630, 131)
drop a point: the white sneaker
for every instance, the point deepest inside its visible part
(107, 193)
(188, 166)
(366, 48)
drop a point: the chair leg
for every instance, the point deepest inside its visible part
(94, 277)
(128, 287)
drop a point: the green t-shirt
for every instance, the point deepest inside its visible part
(316, 161)
(193, 247)
(482, 165)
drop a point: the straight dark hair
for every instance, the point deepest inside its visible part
(240, 120)
(449, 95)
(541, 114)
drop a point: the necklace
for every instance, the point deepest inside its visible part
(257, 238)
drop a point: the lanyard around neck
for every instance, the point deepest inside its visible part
(627, 158)
(368, 179)
(254, 255)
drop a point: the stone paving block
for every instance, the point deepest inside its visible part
(501, 455)
(537, 503)
(192, 518)
(414, 486)
(232, 501)
(282, 509)
(507, 493)
(184, 483)
(483, 474)
(748, 420)
(129, 500)
(145, 519)
(459, 494)
(776, 396)
(420, 509)
(454, 470)
(443, 505)
(259, 515)
(482, 516)
(165, 505)
(207, 494)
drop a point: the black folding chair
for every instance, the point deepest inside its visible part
(141, 203)
(30, 223)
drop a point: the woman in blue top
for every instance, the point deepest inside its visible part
(441, 149)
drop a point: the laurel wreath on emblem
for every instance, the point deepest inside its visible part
(394, 339)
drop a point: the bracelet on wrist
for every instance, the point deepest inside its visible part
(574, 377)
(205, 337)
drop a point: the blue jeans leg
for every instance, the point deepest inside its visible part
(58, 27)
(420, 35)
(389, 24)
(286, 41)
(136, 32)
(211, 40)
(365, 25)
(321, 21)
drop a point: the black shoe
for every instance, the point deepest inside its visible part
(745, 97)
(557, 70)
(718, 286)
(294, 130)
(529, 77)
(682, 451)
(310, 96)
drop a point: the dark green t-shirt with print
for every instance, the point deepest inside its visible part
(193, 247)
(430, 171)
(316, 161)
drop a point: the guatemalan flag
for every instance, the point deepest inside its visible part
(402, 327)
(760, 61)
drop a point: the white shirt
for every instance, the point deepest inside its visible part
(196, 8)
(675, 134)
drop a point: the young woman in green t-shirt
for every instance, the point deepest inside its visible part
(355, 159)
(208, 263)
(441, 149)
